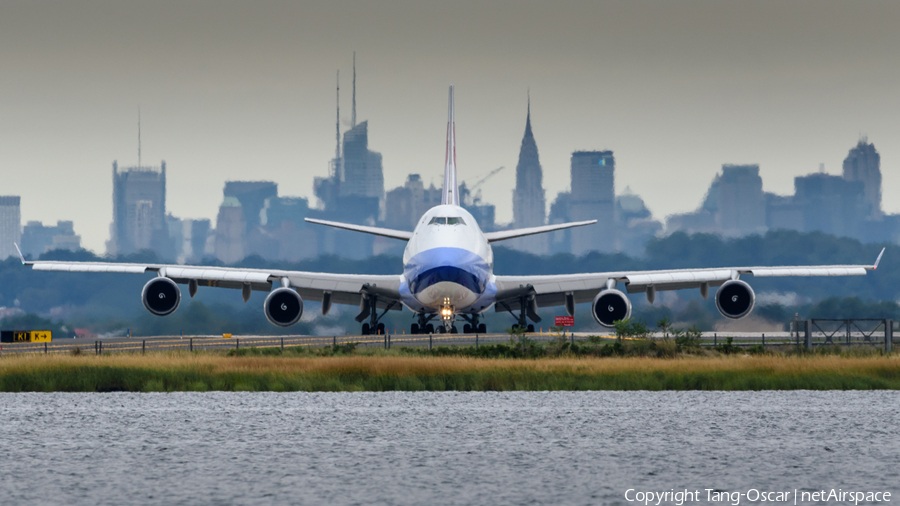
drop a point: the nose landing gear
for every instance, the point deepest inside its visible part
(447, 318)
(447, 324)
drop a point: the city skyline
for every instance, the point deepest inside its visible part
(796, 90)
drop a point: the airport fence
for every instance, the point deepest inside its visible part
(199, 343)
(848, 332)
(808, 334)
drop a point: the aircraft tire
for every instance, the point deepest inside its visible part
(414, 328)
(429, 329)
(530, 327)
(379, 329)
(365, 329)
(482, 328)
(467, 329)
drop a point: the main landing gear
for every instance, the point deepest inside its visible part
(368, 307)
(423, 327)
(527, 310)
(367, 329)
(473, 327)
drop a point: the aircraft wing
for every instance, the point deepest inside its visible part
(522, 232)
(344, 288)
(553, 290)
(383, 232)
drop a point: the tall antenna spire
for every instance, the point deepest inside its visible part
(337, 121)
(139, 137)
(528, 116)
(353, 113)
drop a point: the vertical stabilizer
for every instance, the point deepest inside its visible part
(451, 194)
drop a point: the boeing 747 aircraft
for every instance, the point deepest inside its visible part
(448, 275)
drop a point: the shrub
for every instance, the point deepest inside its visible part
(632, 328)
(757, 349)
(614, 348)
(595, 339)
(665, 348)
(346, 348)
(728, 348)
(559, 345)
(688, 338)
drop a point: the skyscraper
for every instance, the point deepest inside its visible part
(252, 195)
(863, 164)
(361, 171)
(288, 236)
(741, 202)
(10, 225)
(194, 235)
(830, 204)
(139, 211)
(406, 204)
(38, 239)
(353, 192)
(561, 240)
(529, 205)
(230, 231)
(593, 198)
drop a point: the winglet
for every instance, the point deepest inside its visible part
(450, 193)
(21, 256)
(878, 260)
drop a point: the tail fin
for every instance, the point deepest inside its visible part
(451, 193)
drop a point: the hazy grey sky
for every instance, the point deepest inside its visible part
(245, 90)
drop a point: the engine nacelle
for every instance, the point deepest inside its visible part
(161, 296)
(735, 299)
(283, 307)
(610, 306)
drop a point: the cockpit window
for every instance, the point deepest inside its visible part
(447, 221)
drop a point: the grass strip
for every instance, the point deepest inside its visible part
(168, 372)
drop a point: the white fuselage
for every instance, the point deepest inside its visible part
(448, 263)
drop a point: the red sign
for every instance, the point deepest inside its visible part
(565, 321)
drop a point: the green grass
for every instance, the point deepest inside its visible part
(389, 370)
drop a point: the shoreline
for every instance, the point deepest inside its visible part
(178, 371)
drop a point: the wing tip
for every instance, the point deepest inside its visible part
(878, 260)
(19, 251)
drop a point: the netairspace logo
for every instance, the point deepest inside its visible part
(753, 495)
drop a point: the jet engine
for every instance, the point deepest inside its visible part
(610, 306)
(735, 299)
(161, 296)
(283, 307)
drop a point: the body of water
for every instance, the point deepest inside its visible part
(441, 448)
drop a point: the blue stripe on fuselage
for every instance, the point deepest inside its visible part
(455, 265)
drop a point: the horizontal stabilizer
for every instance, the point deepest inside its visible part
(522, 232)
(383, 232)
